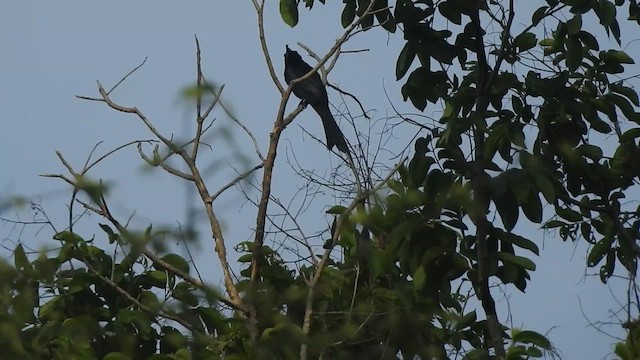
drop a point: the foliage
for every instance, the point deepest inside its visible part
(524, 116)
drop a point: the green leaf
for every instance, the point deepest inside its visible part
(367, 21)
(68, 237)
(289, 12)
(598, 251)
(625, 91)
(465, 321)
(450, 12)
(616, 56)
(523, 243)
(336, 210)
(517, 105)
(149, 299)
(532, 208)
(622, 350)
(606, 270)
(597, 124)
(533, 351)
(532, 337)
(412, 89)
(183, 354)
(477, 354)
(177, 262)
(183, 292)
(518, 183)
(116, 356)
(624, 105)
(112, 236)
(348, 13)
(593, 152)
(525, 41)
(538, 15)
(384, 16)
(606, 12)
(545, 186)
(378, 262)
(574, 25)
(49, 309)
(159, 278)
(589, 40)
(507, 206)
(585, 231)
(20, 260)
(106, 229)
(405, 59)
(419, 278)
(520, 261)
(516, 352)
(568, 214)
(246, 258)
(630, 135)
(574, 52)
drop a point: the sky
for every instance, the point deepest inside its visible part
(55, 50)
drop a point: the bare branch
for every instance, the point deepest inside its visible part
(364, 113)
(236, 180)
(156, 162)
(263, 43)
(216, 229)
(245, 129)
(199, 118)
(126, 76)
(88, 166)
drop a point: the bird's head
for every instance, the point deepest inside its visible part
(291, 55)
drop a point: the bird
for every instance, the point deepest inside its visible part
(313, 92)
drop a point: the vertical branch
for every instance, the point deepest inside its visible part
(480, 179)
(279, 125)
(199, 117)
(263, 43)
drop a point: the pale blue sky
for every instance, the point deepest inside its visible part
(54, 50)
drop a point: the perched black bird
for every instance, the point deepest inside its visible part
(312, 91)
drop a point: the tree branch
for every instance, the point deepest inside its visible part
(279, 125)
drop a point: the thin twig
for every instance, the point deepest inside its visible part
(109, 153)
(126, 76)
(364, 113)
(263, 44)
(199, 117)
(236, 180)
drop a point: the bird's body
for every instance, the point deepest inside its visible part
(312, 91)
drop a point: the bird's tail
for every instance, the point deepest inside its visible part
(332, 131)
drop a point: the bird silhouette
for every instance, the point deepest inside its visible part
(313, 92)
